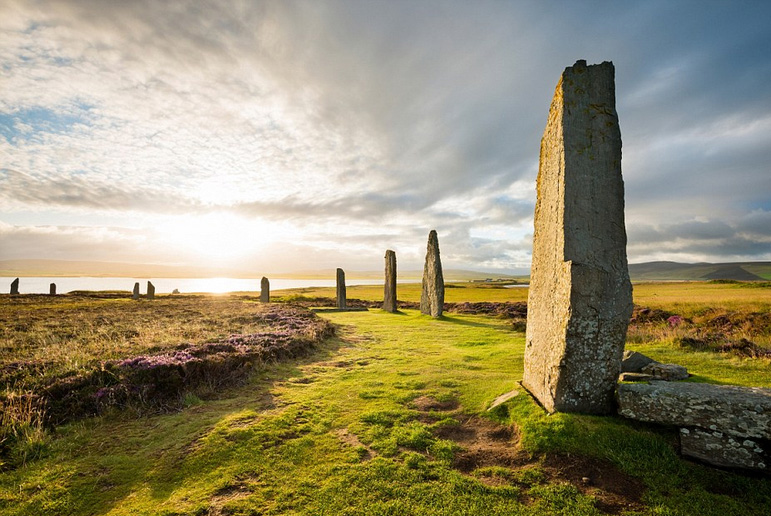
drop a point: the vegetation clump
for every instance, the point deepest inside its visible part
(151, 381)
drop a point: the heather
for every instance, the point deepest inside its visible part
(39, 393)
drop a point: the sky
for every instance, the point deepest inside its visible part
(301, 135)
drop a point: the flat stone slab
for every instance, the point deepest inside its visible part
(739, 411)
(503, 398)
(722, 449)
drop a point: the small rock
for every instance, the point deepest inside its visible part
(503, 398)
(666, 372)
(635, 377)
(633, 362)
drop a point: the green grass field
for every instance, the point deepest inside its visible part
(390, 417)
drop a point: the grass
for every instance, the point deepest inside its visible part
(389, 418)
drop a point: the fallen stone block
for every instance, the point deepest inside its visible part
(725, 450)
(739, 411)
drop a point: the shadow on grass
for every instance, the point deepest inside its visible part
(463, 322)
(161, 444)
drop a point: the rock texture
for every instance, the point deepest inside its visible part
(15, 287)
(135, 293)
(580, 298)
(52, 289)
(341, 298)
(264, 290)
(666, 372)
(633, 362)
(725, 450)
(432, 294)
(744, 411)
(150, 291)
(724, 425)
(389, 294)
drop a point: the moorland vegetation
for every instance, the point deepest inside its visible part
(387, 416)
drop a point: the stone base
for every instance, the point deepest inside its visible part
(725, 450)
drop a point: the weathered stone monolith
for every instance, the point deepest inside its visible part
(150, 291)
(15, 287)
(135, 293)
(341, 301)
(432, 294)
(580, 298)
(389, 295)
(52, 289)
(264, 290)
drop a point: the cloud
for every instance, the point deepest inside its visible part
(348, 119)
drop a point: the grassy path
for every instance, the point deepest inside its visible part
(389, 418)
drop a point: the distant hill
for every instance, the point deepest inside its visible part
(650, 271)
(674, 271)
(64, 268)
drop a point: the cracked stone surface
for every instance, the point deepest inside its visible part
(580, 298)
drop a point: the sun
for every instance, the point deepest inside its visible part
(218, 238)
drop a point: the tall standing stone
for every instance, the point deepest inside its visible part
(135, 293)
(341, 301)
(150, 291)
(15, 287)
(264, 290)
(580, 297)
(432, 294)
(52, 289)
(389, 295)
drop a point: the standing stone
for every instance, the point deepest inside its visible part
(432, 294)
(580, 298)
(52, 289)
(264, 290)
(389, 296)
(135, 294)
(150, 291)
(15, 287)
(341, 289)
